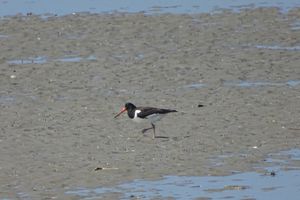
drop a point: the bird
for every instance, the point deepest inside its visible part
(139, 114)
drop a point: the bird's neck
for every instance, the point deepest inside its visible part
(131, 113)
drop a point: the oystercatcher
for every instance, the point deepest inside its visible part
(139, 114)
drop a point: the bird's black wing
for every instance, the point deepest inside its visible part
(146, 111)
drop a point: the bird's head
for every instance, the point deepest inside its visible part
(128, 106)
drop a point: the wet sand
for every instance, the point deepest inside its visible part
(56, 117)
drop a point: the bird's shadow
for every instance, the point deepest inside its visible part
(163, 137)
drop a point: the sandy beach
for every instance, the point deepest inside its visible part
(62, 79)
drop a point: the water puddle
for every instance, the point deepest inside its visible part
(194, 86)
(246, 84)
(7, 99)
(30, 60)
(271, 47)
(275, 184)
(76, 59)
(16, 98)
(283, 156)
(289, 83)
(3, 36)
(44, 59)
(220, 159)
(277, 47)
(295, 26)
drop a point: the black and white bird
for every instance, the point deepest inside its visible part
(139, 114)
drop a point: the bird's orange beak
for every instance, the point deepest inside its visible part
(123, 110)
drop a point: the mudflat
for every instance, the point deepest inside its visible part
(64, 78)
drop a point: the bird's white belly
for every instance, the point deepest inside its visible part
(136, 118)
(151, 118)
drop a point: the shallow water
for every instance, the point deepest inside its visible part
(238, 186)
(3, 36)
(30, 60)
(277, 47)
(295, 25)
(247, 84)
(63, 7)
(290, 83)
(44, 59)
(195, 86)
(292, 154)
(275, 183)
